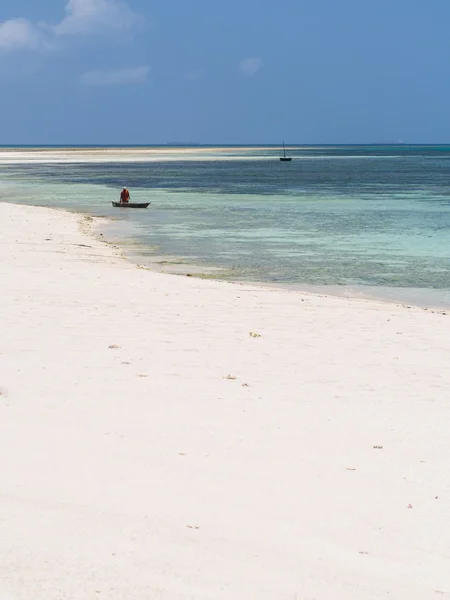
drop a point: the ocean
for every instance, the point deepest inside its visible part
(352, 220)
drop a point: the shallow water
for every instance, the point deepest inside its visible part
(368, 218)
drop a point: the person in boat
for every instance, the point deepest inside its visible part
(124, 196)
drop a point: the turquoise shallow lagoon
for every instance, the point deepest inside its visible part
(370, 220)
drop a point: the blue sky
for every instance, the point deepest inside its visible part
(213, 71)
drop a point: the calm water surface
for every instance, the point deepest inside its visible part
(363, 217)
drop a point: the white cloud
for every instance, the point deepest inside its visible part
(250, 66)
(19, 34)
(84, 17)
(91, 16)
(116, 76)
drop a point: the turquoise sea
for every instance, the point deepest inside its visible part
(369, 220)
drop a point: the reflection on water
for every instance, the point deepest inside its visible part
(353, 216)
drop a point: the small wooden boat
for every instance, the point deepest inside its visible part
(131, 204)
(285, 158)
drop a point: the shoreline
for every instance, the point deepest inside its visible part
(273, 247)
(174, 437)
(177, 265)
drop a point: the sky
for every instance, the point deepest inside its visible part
(224, 72)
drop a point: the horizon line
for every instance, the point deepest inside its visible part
(219, 145)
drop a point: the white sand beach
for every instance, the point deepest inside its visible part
(166, 437)
(86, 155)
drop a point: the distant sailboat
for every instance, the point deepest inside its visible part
(285, 158)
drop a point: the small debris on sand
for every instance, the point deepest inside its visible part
(230, 377)
(253, 334)
(113, 347)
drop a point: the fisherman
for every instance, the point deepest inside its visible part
(124, 196)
